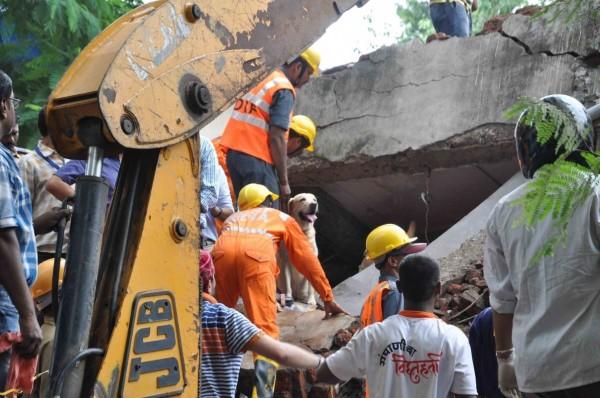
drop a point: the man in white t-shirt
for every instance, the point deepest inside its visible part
(412, 354)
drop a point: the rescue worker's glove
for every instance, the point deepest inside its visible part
(507, 379)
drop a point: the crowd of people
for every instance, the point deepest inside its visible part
(550, 312)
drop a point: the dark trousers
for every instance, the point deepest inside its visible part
(450, 18)
(4, 364)
(245, 169)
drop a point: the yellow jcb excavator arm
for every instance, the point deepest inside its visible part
(129, 318)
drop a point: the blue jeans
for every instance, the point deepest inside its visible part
(245, 169)
(450, 18)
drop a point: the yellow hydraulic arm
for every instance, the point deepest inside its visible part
(129, 317)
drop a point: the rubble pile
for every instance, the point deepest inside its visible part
(463, 298)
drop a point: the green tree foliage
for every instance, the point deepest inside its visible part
(414, 14)
(40, 39)
(560, 187)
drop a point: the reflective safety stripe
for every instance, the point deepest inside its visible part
(246, 118)
(258, 101)
(270, 84)
(245, 230)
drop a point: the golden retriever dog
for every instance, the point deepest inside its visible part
(304, 209)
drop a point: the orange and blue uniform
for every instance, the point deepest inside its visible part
(246, 266)
(244, 144)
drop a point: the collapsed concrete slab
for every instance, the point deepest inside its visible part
(415, 132)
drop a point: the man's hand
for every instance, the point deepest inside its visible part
(474, 5)
(32, 336)
(284, 196)
(507, 380)
(331, 308)
(49, 220)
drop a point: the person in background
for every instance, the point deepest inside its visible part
(452, 17)
(209, 182)
(412, 354)
(386, 246)
(61, 184)
(17, 244)
(41, 291)
(227, 334)
(483, 348)
(549, 309)
(10, 141)
(218, 213)
(37, 168)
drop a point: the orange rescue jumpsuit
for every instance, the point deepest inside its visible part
(245, 263)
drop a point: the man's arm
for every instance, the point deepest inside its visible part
(208, 172)
(503, 324)
(279, 153)
(283, 353)
(13, 280)
(324, 375)
(503, 302)
(474, 5)
(224, 207)
(348, 362)
(46, 222)
(279, 113)
(59, 189)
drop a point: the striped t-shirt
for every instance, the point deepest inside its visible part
(225, 334)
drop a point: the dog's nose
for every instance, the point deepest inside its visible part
(313, 207)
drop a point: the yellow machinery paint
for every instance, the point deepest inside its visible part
(148, 83)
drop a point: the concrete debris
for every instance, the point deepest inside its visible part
(417, 120)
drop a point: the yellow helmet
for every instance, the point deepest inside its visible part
(312, 58)
(252, 195)
(304, 126)
(43, 284)
(388, 237)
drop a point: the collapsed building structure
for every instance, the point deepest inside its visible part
(415, 132)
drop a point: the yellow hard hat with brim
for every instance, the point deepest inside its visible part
(388, 238)
(304, 126)
(252, 195)
(312, 58)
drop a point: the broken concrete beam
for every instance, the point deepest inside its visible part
(407, 98)
(572, 36)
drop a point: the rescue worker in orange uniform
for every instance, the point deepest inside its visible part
(302, 136)
(255, 136)
(245, 265)
(386, 245)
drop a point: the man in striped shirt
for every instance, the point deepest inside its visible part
(226, 335)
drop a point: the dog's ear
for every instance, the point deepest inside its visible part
(291, 201)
